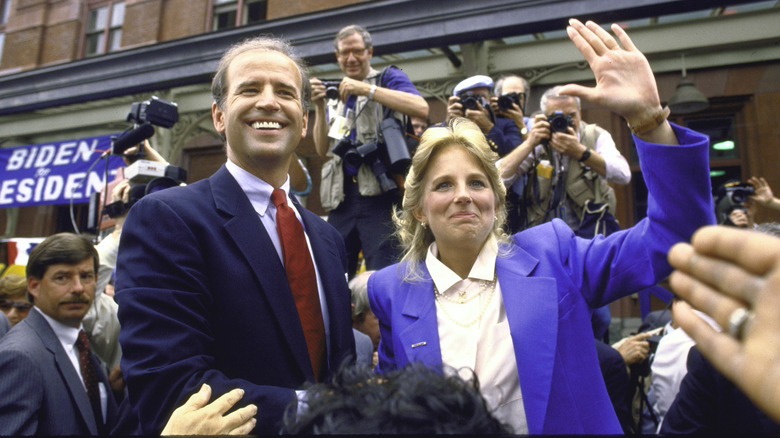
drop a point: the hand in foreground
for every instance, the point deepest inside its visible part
(198, 417)
(726, 269)
(624, 81)
(634, 349)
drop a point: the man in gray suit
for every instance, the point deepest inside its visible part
(51, 383)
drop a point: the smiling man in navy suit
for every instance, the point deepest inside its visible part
(203, 282)
(51, 384)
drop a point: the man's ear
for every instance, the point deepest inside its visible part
(33, 287)
(305, 124)
(217, 116)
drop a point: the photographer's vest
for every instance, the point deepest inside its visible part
(581, 183)
(368, 114)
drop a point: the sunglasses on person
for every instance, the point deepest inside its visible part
(20, 306)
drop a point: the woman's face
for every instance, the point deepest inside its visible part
(458, 202)
(15, 309)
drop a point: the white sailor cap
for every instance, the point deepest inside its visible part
(473, 82)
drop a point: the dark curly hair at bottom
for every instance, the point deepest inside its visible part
(411, 400)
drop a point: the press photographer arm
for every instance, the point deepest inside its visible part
(764, 195)
(410, 104)
(320, 126)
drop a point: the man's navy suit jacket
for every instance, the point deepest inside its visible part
(709, 404)
(40, 391)
(203, 297)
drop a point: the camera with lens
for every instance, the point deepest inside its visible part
(732, 196)
(505, 101)
(155, 111)
(331, 88)
(471, 100)
(371, 154)
(559, 122)
(145, 176)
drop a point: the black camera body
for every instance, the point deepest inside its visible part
(559, 122)
(155, 111)
(331, 88)
(374, 155)
(642, 369)
(471, 100)
(505, 101)
(146, 177)
(732, 196)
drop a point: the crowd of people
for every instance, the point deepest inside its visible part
(490, 257)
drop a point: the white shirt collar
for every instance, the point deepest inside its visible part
(257, 190)
(65, 333)
(484, 267)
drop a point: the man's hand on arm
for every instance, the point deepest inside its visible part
(199, 417)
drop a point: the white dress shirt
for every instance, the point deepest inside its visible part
(669, 367)
(486, 346)
(259, 194)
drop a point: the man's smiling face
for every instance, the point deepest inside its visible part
(262, 117)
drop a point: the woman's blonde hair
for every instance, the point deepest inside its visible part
(413, 237)
(13, 286)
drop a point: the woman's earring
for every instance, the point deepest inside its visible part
(424, 225)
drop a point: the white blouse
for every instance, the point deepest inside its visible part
(474, 333)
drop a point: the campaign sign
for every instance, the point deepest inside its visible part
(55, 173)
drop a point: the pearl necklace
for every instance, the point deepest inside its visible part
(461, 299)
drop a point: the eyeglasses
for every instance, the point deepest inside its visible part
(20, 306)
(355, 52)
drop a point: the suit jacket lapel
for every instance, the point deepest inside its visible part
(531, 305)
(420, 339)
(65, 368)
(248, 233)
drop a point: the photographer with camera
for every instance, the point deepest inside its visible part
(471, 99)
(511, 94)
(568, 164)
(359, 122)
(736, 202)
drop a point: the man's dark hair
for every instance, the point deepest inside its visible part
(65, 248)
(413, 400)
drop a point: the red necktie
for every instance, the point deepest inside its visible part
(88, 374)
(302, 279)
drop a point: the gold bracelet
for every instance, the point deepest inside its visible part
(650, 123)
